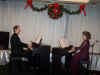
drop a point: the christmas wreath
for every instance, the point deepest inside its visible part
(55, 11)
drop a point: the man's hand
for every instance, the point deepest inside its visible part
(25, 49)
(30, 45)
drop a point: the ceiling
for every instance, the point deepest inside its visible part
(95, 1)
(49, 1)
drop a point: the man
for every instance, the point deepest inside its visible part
(16, 44)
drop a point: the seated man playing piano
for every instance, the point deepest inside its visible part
(16, 44)
(20, 49)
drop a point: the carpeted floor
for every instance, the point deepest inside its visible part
(5, 69)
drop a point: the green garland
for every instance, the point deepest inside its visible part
(50, 13)
(71, 12)
(39, 9)
(63, 9)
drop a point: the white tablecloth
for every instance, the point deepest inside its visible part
(95, 65)
(4, 57)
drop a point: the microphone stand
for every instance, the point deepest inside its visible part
(92, 52)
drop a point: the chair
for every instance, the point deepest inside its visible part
(36, 61)
(84, 67)
(18, 64)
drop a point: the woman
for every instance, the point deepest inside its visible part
(83, 53)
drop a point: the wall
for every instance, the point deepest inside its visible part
(32, 23)
(77, 24)
(1, 15)
(4, 16)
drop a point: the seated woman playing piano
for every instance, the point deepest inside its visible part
(81, 53)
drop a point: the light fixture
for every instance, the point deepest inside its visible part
(77, 1)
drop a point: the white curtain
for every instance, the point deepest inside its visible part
(32, 23)
(77, 24)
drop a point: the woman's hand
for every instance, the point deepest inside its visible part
(72, 50)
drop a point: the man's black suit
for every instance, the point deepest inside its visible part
(16, 45)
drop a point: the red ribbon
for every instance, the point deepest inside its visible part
(29, 3)
(56, 9)
(82, 8)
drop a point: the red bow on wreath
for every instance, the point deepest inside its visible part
(29, 3)
(82, 7)
(56, 9)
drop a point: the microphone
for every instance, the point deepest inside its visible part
(97, 41)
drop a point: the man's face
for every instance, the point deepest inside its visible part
(18, 30)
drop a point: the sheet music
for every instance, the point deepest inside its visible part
(38, 39)
(63, 43)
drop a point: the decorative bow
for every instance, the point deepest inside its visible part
(82, 8)
(56, 9)
(29, 3)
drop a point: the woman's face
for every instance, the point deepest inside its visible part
(84, 37)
